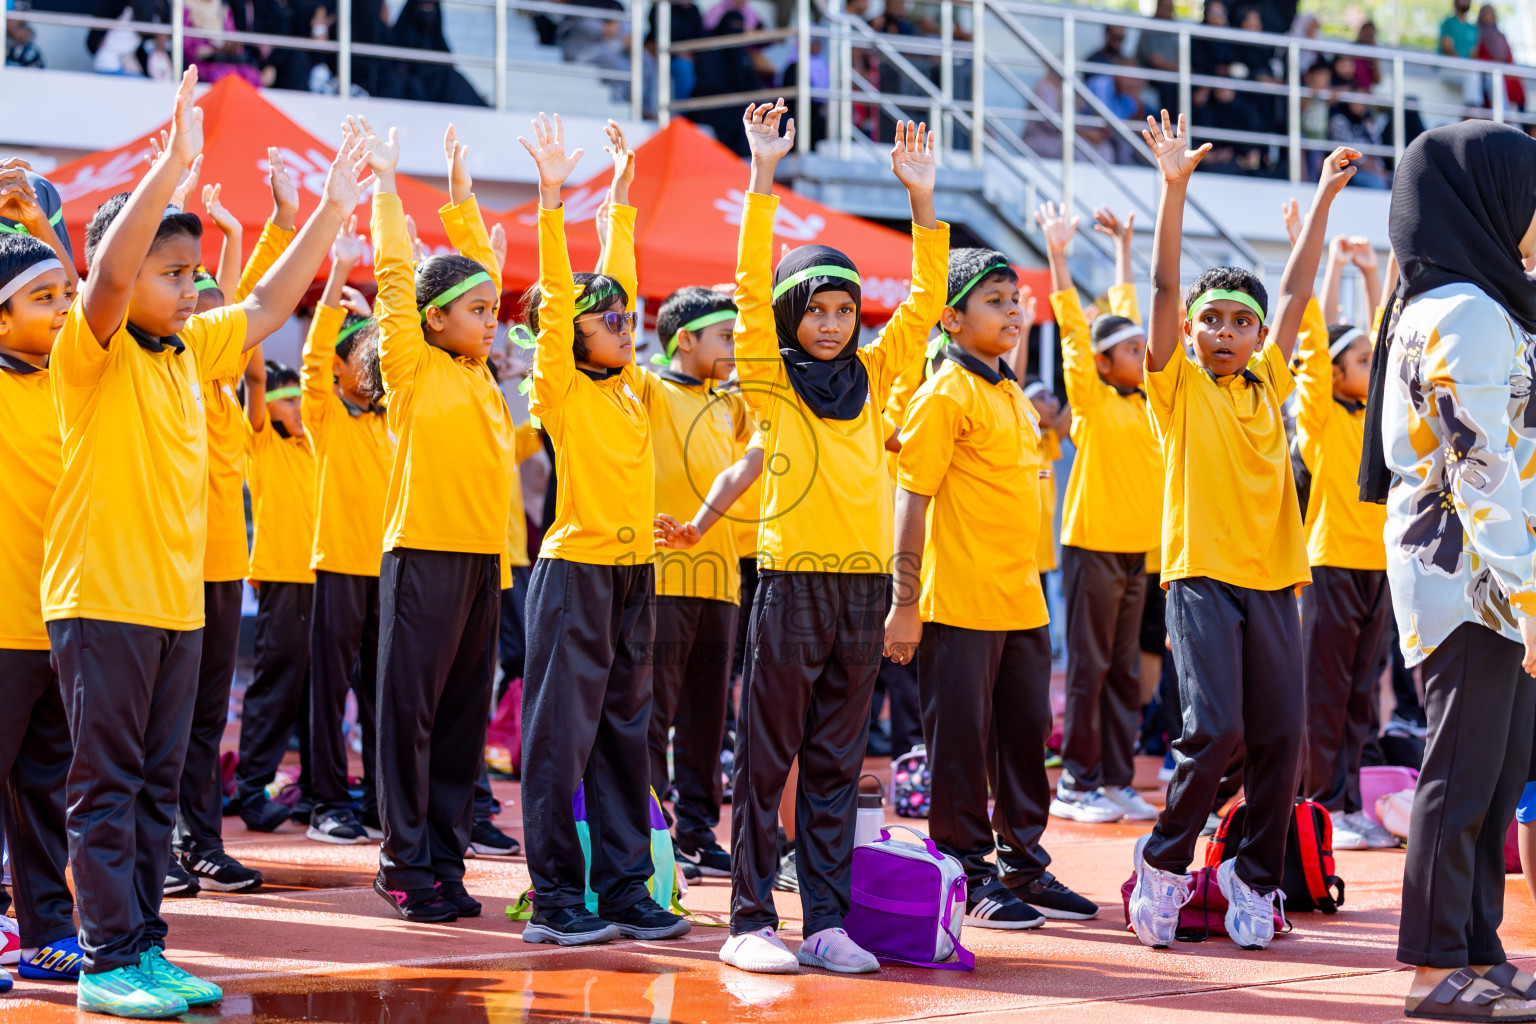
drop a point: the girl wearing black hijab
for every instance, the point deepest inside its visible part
(817, 626)
(1450, 432)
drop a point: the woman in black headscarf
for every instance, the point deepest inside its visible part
(1450, 430)
(420, 27)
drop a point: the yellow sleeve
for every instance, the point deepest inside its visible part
(315, 372)
(554, 361)
(901, 341)
(907, 381)
(217, 339)
(272, 244)
(526, 442)
(1162, 386)
(1084, 390)
(77, 356)
(402, 346)
(1122, 302)
(619, 252)
(927, 443)
(1314, 383)
(757, 342)
(466, 233)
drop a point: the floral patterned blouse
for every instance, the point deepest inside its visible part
(1460, 433)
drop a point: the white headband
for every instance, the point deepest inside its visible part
(1344, 342)
(1034, 389)
(1125, 333)
(26, 277)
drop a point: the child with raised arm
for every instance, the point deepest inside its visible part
(815, 639)
(1110, 522)
(122, 573)
(587, 687)
(1233, 553)
(354, 451)
(445, 529)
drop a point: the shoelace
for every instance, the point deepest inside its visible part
(1260, 906)
(1170, 892)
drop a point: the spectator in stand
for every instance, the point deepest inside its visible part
(1212, 56)
(722, 72)
(1459, 38)
(1045, 138)
(215, 60)
(1112, 49)
(1160, 51)
(1122, 95)
(20, 50)
(122, 50)
(750, 22)
(600, 42)
(420, 27)
(687, 23)
(1253, 61)
(1367, 71)
(1357, 126)
(1316, 108)
(1306, 27)
(279, 68)
(1224, 110)
(1493, 46)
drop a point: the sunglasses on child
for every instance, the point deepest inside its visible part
(616, 322)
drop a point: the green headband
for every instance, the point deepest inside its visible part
(587, 297)
(454, 292)
(207, 284)
(521, 336)
(347, 332)
(1218, 294)
(698, 323)
(976, 280)
(810, 272)
(278, 394)
(21, 229)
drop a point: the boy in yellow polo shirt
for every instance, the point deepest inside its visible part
(966, 585)
(1233, 554)
(37, 283)
(122, 581)
(1110, 521)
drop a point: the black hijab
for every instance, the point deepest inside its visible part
(836, 388)
(1462, 200)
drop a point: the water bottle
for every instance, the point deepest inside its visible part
(870, 814)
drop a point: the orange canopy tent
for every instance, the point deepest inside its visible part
(238, 126)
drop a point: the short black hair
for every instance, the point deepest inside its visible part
(1337, 331)
(437, 274)
(686, 304)
(17, 253)
(1106, 325)
(281, 375)
(344, 346)
(604, 290)
(965, 264)
(1232, 279)
(172, 224)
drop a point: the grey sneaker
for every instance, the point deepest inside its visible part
(1376, 837)
(1156, 900)
(1250, 916)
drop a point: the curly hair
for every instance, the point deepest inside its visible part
(965, 264)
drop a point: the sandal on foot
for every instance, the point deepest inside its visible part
(1464, 996)
(1512, 980)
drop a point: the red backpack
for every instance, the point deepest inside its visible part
(1309, 881)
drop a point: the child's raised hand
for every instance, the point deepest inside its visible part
(186, 139)
(1290, 212)
(18, 200)
(186, 188)
(499, 244)
(1054, 225)
(1171, 148)
(460, 184)
(382, 154)
(354, 301)
(1340, 251)
(344, 186)
(1362, 252)
(1028, 311)
(217, 212)
(419, 249)
(285, 194)
(761, 122)
(912, 157)
(348, 247)
(548, 151)
(1337, 170)
(1106, 223)
(669, 533)
(623, 162)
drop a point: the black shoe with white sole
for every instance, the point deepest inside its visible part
(1055, 900)
(787, 878)
(218, 871)
(263, 815)
(486, 840)
(996, 907)
(708, 857)
(339, 827)
(454, 893)
(646, 920)
(179, 883)
(423, 906)
(372, 826)
(568, 926)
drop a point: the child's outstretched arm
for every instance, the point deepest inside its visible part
(401, 344)
(904, 623)
(1106, 223)
(277, 233)
(1301, 268)
(256, 390)
(554, 360)
(1177, 162)
(1364, 255)
(618, 232)
(315, 377)
(234, 236)
(461, 217)
(757, 345)
(1079, 369)
(104, 297)
(1333, 275)
(733, 481)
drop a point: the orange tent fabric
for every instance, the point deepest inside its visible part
(238, 126)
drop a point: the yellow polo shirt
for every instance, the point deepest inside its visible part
(282, 483)
(826, 488)
(128, 523)
(1229, 499)
(972, 443)
(31, 452)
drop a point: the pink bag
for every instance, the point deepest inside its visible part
(506, 728)
(1205, 914)
(1378, 780)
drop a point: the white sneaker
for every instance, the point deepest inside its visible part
(759, 952)
(1250, 917)
(1165, 774)
(1131, 805)
(1344, 835)
(1093, 808)
(832, 949)
(1156, 900)
(10, 942)
(1376, 837)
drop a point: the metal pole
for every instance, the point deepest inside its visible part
(636, 59)
(1293, 107)
(1497, 100)
(845, 85)
(1186, 105)
(947, 69)
(1068, 110)
(501, 54)
(663, 62)
(1046, 371)
(978, 79)
(344, 42)
(803, 76)
(1398, 121)
(178, 40)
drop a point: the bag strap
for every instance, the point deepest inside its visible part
(933, 850)
(964, 960)
(1310, 842)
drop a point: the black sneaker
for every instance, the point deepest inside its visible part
(373, 828)
(787, 879)
(486, 840)
(456, 894)
(568, 926)
(303, 809)
(178, 883)
(646, 920)
(220, 872)
(690, 871)
(1055, 900)
(263, 815)
(422, 906)
(339, 827)
(994, 906)
(708, 857)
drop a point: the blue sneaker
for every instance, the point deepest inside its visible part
(168, 976)
(127, 992)
(5, 980)
(57, 961)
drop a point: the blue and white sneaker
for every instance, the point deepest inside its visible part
(127, 992)
(57, 961)
(1156, 900)
(1250, 915)
(5, 980)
